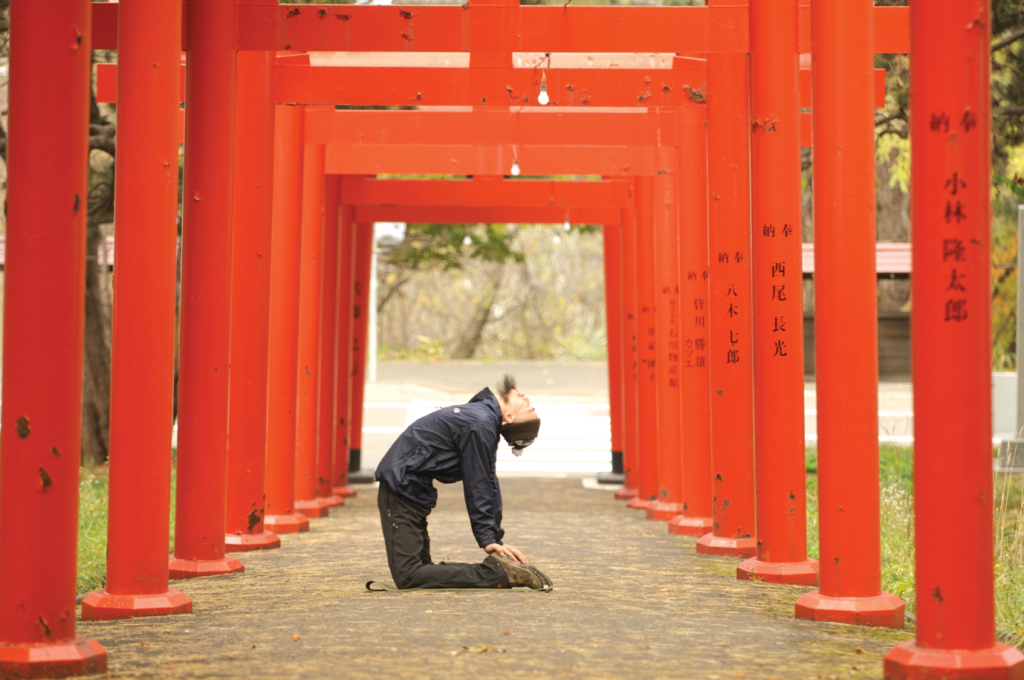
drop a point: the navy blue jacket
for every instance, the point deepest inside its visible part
(449, 445)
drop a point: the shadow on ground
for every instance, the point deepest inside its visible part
(629, 600)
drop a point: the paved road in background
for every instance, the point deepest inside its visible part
(572, 401)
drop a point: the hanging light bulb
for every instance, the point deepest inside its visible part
(515, 168)
(567, 227)
(543, 98)
(467, 241)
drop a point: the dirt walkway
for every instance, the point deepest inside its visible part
(629, 600)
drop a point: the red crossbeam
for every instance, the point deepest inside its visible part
(481, 215)
(359, 191)
(536, 127)
(449, 28)
(412, 85)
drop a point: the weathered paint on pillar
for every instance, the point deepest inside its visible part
(145, 280)
(611, 235)
(730, 356)
(346, 280)
(308, 371)
(846, 321)
(326, 421)
(647, 484)
(630, 429)
(695, 415)
(360, 317)
(951, 331)
(668, 328)
(289, 132)
(778, 300)
(205, 293)
(250, 304)
(43, 339)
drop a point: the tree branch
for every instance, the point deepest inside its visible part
(1009, 39)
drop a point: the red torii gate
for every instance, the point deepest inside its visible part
(946, 24)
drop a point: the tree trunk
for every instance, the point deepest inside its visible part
(475, 329)
(96, 374)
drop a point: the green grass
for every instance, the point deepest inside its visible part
(896, 476)
(92, 528)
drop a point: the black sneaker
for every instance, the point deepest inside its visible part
(521, 575)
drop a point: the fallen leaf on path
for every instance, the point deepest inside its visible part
(738, 675)
(351, 630)
(476, 650)
(505, 632)
(858, 650)
(143, 643)
(296, 638)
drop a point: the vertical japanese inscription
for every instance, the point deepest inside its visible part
(956, 210)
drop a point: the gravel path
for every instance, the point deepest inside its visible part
(629, 600)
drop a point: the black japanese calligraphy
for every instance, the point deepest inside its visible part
(956, 310)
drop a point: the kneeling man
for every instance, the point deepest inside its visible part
(458, 443)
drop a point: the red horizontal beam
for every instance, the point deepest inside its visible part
(474, 215)
(448, 28)
(486, 193)
(401, 86)
(418, 159)
(532, 127)
(398, 86)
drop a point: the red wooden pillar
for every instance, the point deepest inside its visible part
(730, 355)
(250, 304)
(360, 317)
(953, 533)
(667, 328)
(778, 300)
(142, 369)
(647, 483)
(308, 381)
(846, 320)
(205, 293)
(612, 236)
(346, 274)
(695, 416)
(630, 454)
(326, 421)
(43, 337)
(289, 129)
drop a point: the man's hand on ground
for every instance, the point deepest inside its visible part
(507, 550)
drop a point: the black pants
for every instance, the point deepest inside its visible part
(405, 537)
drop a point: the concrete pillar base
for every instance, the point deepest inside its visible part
(638, 503)
(910, 662)
(625, 494)
(616, 477)
(53, 659)
(663, 512)
(744, 546)
(315, 508)
(683, 525)
(344, 491)
(265, 540)
(884, 610)
(179, 569)
(788, 573)
(286, 524)
(99, 605)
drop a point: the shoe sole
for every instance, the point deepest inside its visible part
(504, 561)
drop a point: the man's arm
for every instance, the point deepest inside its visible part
(483, 501)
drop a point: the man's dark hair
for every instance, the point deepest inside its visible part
(506, 386)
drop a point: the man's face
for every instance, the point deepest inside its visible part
(517, 408)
